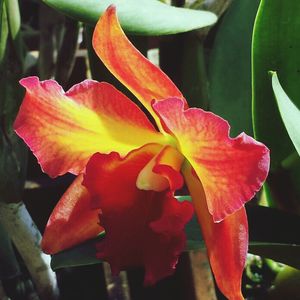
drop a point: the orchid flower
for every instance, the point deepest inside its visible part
(128, 171)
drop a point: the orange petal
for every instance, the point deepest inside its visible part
(145, 80)
(64, 129)
(226, 242)
(231, 170)
(143, 228)
(72, 221)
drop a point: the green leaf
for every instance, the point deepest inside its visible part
(289, 112)
(230, 66)
(288, 254)
(14, 22)
(194, 82)
(13, 152)
(285, 285)
(270, 225)
(142, 17)
(264, 225)
(275, 46)
(81, 255)
(14, 18)
(3, 32)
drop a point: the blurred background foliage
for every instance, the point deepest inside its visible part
(223, 68)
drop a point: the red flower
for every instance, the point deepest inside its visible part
(128, 171)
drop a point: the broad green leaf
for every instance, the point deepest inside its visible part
(142, 17)
(289, 112)
(13, 152)
(288, 254)
(194, 82)
(14, 18)
(81, 255)
(3, 31)
(286, 284)
(14, 22)
(66, 55)
(270, 225)
(230, 66)
(275, 46)
(263, 231)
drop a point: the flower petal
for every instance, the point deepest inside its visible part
(72, 221)
(143, 228)
(145, 80)
(64, 129)
(226, 242)
(231, 170)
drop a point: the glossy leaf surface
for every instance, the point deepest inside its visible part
(275, 46)
(285, 253)
(141, 17)
(13, 153)
(289, 112)
(230, 66)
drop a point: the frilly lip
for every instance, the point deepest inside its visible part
(143, 228)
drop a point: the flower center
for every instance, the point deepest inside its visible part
(162, 171)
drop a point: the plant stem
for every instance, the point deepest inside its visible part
(66, 55)
(26, 237)
(117, 286)
(203, 279)
(2, 292)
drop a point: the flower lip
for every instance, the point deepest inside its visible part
(143, 228)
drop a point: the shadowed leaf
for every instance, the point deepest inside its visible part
(141, 17)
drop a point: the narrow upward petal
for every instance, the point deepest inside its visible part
(226, 242)
(64, 129)
(145, 80)
(231, 170)
(143, 228)
(72, 221)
